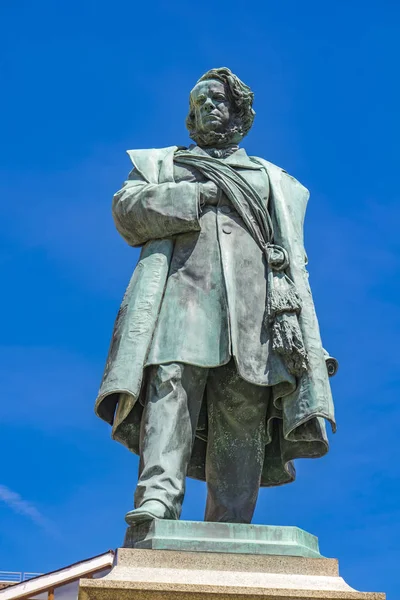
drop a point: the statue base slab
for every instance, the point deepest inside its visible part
(196, 536)
(176, 575)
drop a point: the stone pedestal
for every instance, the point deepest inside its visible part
(224, 561)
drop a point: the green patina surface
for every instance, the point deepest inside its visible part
(196, 536)
(216, 368)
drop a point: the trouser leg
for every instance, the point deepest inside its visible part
(236, 445)
(173, 400)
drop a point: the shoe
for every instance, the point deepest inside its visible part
(148, 511)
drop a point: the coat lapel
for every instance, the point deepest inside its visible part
(240, 160)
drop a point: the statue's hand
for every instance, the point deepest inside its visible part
(210, 194)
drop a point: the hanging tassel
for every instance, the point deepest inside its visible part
(287, 340)
(283, 308)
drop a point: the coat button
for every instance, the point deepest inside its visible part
(226, 229)
(225, 209)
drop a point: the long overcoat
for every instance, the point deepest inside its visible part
(295, 426)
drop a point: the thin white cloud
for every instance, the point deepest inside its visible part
(14, 501)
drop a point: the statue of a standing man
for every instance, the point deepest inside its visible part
(216, 368)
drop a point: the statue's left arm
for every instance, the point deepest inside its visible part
(289, 202)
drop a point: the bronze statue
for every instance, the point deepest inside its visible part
(216, 368)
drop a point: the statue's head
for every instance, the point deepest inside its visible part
(220, 111)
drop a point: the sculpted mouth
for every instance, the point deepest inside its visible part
(212, 120)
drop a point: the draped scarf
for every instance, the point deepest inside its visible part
(283, 304)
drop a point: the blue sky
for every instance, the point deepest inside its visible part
(83, 81)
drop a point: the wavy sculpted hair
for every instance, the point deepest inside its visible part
(241, 97)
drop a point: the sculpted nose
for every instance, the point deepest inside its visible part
(208, 105)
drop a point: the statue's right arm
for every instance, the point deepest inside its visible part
(145, 211)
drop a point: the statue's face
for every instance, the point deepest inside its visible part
(212, 108)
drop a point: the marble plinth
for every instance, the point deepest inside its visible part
(195, 536)
(177, 575)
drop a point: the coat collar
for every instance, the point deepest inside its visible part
(238, 159)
